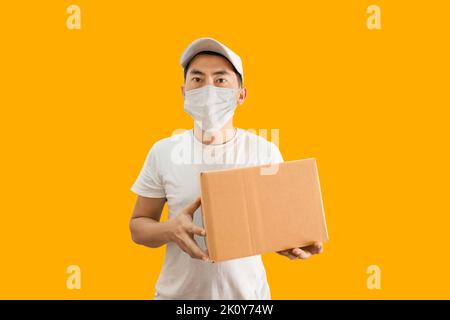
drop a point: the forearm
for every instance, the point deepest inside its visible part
(149, 232)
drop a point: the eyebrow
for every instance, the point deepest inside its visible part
(219, 72)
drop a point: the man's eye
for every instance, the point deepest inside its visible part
(196, 79)
(221, 80)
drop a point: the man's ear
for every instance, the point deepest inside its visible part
(242, 95)
(182, 90)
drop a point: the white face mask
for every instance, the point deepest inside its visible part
(211, 106)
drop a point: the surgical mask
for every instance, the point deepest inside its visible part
(211, 106)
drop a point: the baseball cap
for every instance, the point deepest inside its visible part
(210, 44)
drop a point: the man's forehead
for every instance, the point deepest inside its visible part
(220, 71)
(209, 63)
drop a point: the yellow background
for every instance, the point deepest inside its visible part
(81, 108)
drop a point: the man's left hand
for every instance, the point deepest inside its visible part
(304, 252)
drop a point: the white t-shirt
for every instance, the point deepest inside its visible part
(171, 170)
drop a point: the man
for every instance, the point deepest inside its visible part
(213, 88)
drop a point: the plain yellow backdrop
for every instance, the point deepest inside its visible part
(81, 108)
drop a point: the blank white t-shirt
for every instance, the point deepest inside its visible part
(171, 170)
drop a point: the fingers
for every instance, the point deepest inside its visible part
(301, 254)
(315, 248)
(193, 249)
(190, 209)
(287, 253)
(319, 247)
(304, 252)
(194, 229)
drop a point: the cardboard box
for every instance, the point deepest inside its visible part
(253, 210)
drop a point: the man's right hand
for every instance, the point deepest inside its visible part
(183, 229)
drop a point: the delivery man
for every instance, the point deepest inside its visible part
(213, 87)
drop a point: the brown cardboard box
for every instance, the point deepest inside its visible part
(253, 210)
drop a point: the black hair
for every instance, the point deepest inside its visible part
(212, 53)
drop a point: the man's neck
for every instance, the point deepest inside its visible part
(217, 137)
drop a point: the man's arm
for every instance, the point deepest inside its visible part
(146, 228)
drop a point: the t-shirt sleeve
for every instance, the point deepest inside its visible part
(149, 183)
(275, 154)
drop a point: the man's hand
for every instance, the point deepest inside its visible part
(304, 252)
(182, 230)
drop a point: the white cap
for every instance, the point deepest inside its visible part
(210, 44)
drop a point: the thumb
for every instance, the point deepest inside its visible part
(190, 209)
